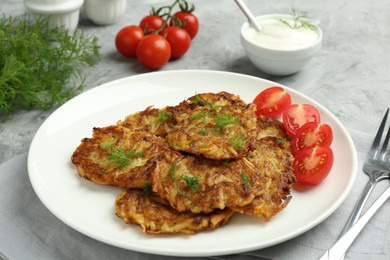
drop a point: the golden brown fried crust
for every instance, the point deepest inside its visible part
(204, 158)
(155, 216)
(270, 127)
(201, 185)
(272, 158)
(118, 156)
(217, 126)
(153, 120)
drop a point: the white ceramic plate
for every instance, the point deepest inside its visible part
(89, 207)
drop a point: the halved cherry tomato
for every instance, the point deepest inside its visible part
(151, 23)
(311, 135)
(297, 115)
(272, 102)
(189, 20)
(312, 165)
(127, 39)
(153, 51)
(179, 40)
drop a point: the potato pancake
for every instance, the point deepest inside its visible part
(198, 184)
(153, 120)
(272, 158)
(217, 126)
(155, 216)
(119, 156)
(270, 127)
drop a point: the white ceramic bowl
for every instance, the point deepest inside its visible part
(104, 12)
(274, 59)
(61, 12)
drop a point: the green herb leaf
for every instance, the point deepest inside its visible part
(221, 121)
(41, 66)
(198, 115)
(191, 182)
(122, 158)
(163, 116)
(198, 101)
(172, 170)
(245, 180)
(147, 189)
(300, 19)
(238, 141)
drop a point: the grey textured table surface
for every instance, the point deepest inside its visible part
(349, 76)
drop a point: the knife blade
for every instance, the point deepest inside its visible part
(340, 247)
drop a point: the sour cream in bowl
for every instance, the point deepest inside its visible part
(282, 47)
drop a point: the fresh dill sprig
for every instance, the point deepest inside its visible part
(238, 141)
(191, 182)
(164, 116)
(246, 181)
(40, 65)
(222, 120)
(147, 189)
(122, 158)
(300, 19)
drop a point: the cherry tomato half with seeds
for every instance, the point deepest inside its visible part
(151, 23)
(296, 115)
(189, 20)
(272, 102)
(312, 165)
(179, 40)
(127, 40)
(311, 135)
(153, 51)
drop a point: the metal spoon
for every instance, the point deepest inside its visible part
(248, 14)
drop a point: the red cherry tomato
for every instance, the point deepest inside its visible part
(151, 23)
(189, 20)
(297, 115)
(272, 102)
(179, 40)
(311, 135)
(127, 39)
(153, 51)
(312, 165)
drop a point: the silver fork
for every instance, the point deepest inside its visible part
(377, 167)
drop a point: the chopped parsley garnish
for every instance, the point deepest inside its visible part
(191, 182)
(147, 189)
(238, 141)
(122, 158)
(163, 116)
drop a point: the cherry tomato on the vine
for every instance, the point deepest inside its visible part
(127, 40)
(189, 20)
(151, 23)
(297, 115)
(312, 165)
(179, 40)
(153, 51)
(272, 102)
(311, 135)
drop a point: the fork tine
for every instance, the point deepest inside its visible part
(375, 145)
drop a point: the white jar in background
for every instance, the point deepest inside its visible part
(104, 12)
(61, 12)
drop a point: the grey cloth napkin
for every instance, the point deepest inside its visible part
(29, 231)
